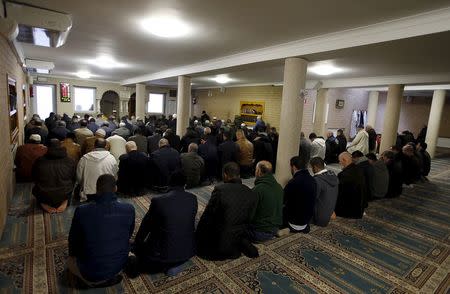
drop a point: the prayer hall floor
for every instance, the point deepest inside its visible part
(401, 246)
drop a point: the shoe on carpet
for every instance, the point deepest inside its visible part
(173, 271)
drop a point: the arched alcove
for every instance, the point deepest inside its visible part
(110, 101)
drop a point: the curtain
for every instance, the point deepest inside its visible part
(354, 123)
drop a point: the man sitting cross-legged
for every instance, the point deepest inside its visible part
(166, 237)
(268, 215)
(222, 230)
(99, 237)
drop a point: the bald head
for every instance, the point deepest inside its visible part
(193, 148)
(263, 168)
(131, 146)
(345, 159)
(163, 142)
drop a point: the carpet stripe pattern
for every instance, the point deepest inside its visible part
(401, 246)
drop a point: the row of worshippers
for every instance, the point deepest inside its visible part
(234, 218)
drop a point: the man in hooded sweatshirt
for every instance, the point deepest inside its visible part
(318, 146)
(92, 165)
(380, 177)
(327, 192)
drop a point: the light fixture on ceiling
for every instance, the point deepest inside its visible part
(106, 62)
(222, 79)
(166, 26)
(83, 74)
(324, 69)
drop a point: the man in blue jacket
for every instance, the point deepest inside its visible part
(99, 237)
(166, 237)
(299, 197)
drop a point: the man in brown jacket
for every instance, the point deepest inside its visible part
(89, 142)
(245, 157)
(73, 149)
(26, 156)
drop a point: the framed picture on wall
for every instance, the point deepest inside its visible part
(340, 103)
(12, 107)
(64, 92)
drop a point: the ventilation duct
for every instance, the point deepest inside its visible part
(39, 26)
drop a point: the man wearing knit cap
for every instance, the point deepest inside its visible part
(26, 155)
(89, 142)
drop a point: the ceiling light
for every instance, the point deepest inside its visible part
(42, 71)
(166, 27)
(83, 74)
(222, 79)
(324, 69)
(105, 62)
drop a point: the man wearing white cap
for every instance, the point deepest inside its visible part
(122, 131)
(89, 142)
(26, 155)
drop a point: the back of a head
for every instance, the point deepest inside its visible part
(92, 120)
(100, 143)
(317, 162)
(226, 135)
(54, 143)
(372, 157)
(130, 146)
(264, 167)
(302, 135)
(345, 158)
(298, 162)
(35, 138)
(357, 154)
(163, 142)
(83, 123)
(177, 179)
(231, 170)
(61, 123)
(207, 131)
(312, 136)
(193, 147)
(71, 135)
(424, 146)
(340, 132)
(122, 124)
(106, 184)
(388, 154)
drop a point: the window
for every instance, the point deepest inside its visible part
(155, 103)
(84, 99)
(45, 98)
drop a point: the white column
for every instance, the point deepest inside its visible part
(434, 120)
(291, 116)
(319, 126)
(183, 100)
(391, 116)
(372, 108)
(140, 100)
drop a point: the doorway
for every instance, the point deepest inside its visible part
(109, 102)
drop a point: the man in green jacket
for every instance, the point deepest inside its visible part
(267, 217)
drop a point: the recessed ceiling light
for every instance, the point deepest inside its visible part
(105, 62)
(83, 74)
(324, 69)
(222, 79)
(166, 26)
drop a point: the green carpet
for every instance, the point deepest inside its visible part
(401, 246)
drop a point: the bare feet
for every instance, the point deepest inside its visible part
(333, 216)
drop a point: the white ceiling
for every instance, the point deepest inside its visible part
(229, 27)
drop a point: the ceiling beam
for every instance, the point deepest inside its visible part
(412, 26)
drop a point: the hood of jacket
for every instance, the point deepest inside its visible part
(97, 155)
(329, 178)
(267, 179)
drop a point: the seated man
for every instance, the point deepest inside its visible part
(73, 149)
(166, 237)
(89, 142)
(99, 237)
(133, 167)
(327, 192)
(222, 230)
(268, 218)
(116, 146)
(361, 161)
(54, 178)
(228, 150)
(299, 197)
(379, 182)
(411, 165)
(92, 165)
(352, 188)
(193, 166)
(208, 151)
(140, 140)
(83, 132)
(26, 155)
(394, 166)
(425, 159)
(165, 160)
(245, 157)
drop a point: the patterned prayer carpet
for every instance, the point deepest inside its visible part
(401, 246)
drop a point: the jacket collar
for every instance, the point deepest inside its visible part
(105, 197)
(300, 172)
(234, 181)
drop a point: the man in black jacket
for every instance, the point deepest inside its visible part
(174, 139)
(228, 150)
(331, 148)
(133, 168)
(342, 141)
(352, 188)
(165, 160)
(166, 237)
(54, 178)
(208, 151)
(221, 232)
(394, 165)
(299, 197)
(425, 159)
